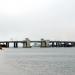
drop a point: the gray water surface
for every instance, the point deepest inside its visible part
(37, 61)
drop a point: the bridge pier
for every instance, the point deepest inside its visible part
(61, 44)
(52, 44)
(66, 44)
(43, 43)
(58, 44)
(72, 44)
(26, 44)
(15, 44)
(7, 44)
(47, 43)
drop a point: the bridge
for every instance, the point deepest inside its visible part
(43, 43)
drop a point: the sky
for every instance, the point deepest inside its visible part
(36, 19)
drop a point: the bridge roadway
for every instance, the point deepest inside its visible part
(44, 43)
(38, 41)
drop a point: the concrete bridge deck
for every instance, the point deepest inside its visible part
(43, 43)
(37, 41)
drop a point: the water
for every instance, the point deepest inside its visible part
(37, 61)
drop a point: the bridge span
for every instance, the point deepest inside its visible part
(43, 43)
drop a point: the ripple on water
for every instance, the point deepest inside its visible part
(35, 64)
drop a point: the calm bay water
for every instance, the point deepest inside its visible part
(37, 61)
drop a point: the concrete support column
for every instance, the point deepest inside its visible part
(15, 44)
(47, 43)
(7, 44)
(43, 43)
(24, 44)
(73, 44)
(58, 44)
(52, 44)
(62, 44)
(65, 44)
(28, 43)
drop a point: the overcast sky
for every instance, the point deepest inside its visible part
(49, 19)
